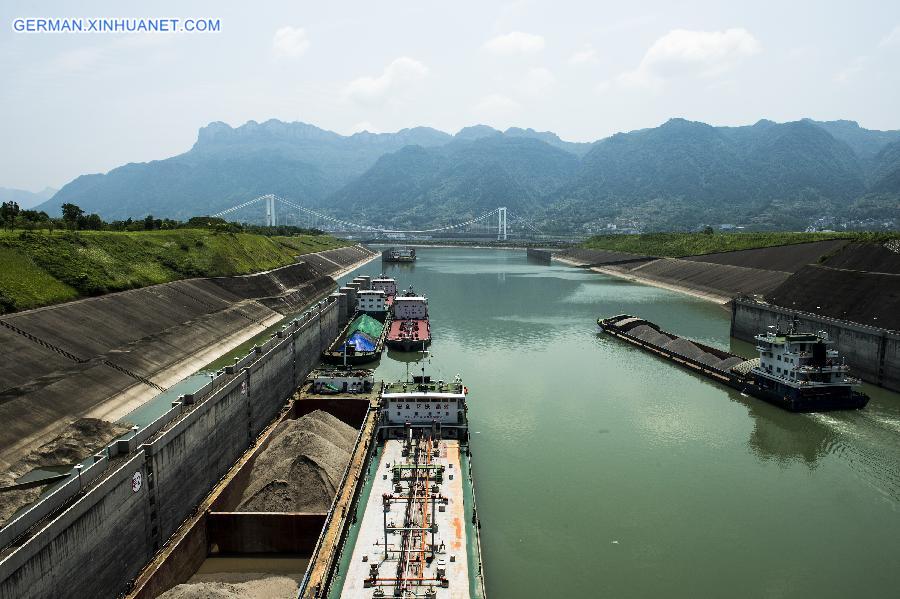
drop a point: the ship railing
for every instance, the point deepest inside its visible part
(800, 354)
(826, 368)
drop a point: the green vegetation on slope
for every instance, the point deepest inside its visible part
(676, 245)
(39, 269)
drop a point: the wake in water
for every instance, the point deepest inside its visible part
(867, 441)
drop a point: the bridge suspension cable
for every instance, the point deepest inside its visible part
(352, 225)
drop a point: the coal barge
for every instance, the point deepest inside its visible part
(795, 371)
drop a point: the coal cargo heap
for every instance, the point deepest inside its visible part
(650, 335)
(301, 468)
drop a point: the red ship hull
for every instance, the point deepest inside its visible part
(409, 335)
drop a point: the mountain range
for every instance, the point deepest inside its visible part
(26, 199)
(677, 175)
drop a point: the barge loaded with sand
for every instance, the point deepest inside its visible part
(795, 371)
(405, 522)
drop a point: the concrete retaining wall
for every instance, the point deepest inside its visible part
(99, 543)
(539, 256)
(96, 355)
(872, 353)
(89, 549)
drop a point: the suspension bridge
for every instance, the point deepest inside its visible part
(273, 210)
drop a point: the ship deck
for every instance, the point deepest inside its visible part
(414, 330)
(456, 538)
(305, 392)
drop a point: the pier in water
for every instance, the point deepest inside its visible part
(602, 470)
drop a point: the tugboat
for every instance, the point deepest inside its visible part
(799, 368)
(410, 329)
(794, 371)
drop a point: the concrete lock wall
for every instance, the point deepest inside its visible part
(872, 353)
(98, 544)
(92, 548)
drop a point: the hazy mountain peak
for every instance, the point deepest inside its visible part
(475, 132)
(26, 199)
(682, 123)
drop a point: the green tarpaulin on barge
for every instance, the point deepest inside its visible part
(366, 324)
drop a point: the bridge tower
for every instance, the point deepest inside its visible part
(270, 210)
(501, 224)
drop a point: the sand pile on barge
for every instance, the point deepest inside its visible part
(649, 334)
(300, 469)
(254, 586)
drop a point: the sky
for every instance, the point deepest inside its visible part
(78, 103)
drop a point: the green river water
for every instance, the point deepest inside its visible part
(602, 471)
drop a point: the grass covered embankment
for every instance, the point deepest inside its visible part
(677, 245)
(38, 269)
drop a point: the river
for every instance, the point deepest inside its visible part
(604, 471)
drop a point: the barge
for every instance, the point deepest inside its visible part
(411, 528)
(795, 371)
(360, 342)
(410, 328)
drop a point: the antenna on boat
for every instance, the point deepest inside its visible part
(425, 354)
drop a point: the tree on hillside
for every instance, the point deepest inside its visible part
(32, 219)
(91, 222)
(71, 214)
(8, 213)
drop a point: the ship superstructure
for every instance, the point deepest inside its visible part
(398, 254)
(386, 284)
(801, 367)
(372, 302)
(334, 381)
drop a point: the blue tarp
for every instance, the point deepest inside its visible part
(361, 341)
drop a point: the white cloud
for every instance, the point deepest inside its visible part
(891, 39)
(290, 42)
(691, 53)
(78, 59)
(585, 55)
(849, 72)
(397, 76)
(496, 104)
(143, 45)
(537, 81)
(515, 42)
